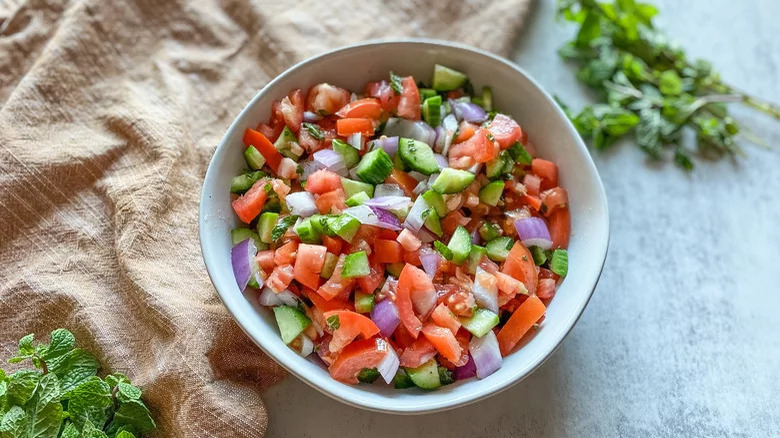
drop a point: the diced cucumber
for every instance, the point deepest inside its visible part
(426, 93)
(425, 376)
(291, 322)
(273, 205)
(399, 164)
(477, 100)
(239, 235)
(480, 323)
(375, 166)
(519, 154)
(395, 268)
(368, 375)
(431, 110)
(432, 222)
(352, 187)
(364, 303)
(344, 225)
(356, 265)
(559, 263)
(487, 99)
(489, 231)
(402, 380)
(307, 232)
(446, 79)
(452, 181)
(443, 250)
(350, 154)
(320, 223)
(491, 193)
(330, 265)
(436, 200)
(287, 144)
(498, 248)
(357, 199)
(254, 158)
(245, 181)
(495, 167)
(539, 255)
(265, 225)
(460, 245)
(475, 258)
(417, 155)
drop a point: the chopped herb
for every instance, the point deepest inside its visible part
(395, 83)
(368, 375)
(281, 227)
(333, 322)
(559, 262)
(314, 131)
(446, 376)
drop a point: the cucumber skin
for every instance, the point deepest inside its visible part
(379, 171)
(417, 155)
(426, 376)
(286, 316)
(460, 245)
(481, 322)
(452, 181)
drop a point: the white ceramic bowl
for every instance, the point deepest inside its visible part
(515, 93)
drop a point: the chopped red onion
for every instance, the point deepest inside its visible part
(476, 239)
(389, 144)
(532, 231)
(390, 363)
(440, 136)
(414, 220)
(426, 236)
(269, 298)
(389, 202)
(310, 117)
(385, 190)
(420, 187)
(430, 260)
(309, 167)
(466, 371)
(356, 140)
(242, 255)
(417, 175)
(352, 97)
(417, 130)
(468, 111)
(385, 316)
(450, 124)
(331, 160)
(485, 290)
(375, 216)
(301, 204)
(486, 354)
(386, 219)
(307, 346)
(441, 161)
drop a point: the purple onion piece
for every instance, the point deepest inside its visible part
(242, 255)
(476, 239)
(486, 354)
(430, 261)
(468, 111)
(385, 219)
(389, 144)
(389, 202)
(441, 160)
(532, 231)
(385, 316)
(330, 160)
(466, 371)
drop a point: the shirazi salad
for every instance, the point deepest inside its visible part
(405, 232)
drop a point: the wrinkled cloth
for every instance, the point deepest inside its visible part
(109, 114)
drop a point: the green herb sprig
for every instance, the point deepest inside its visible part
(64, 397)
(648, 86)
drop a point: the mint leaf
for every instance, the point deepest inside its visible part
(70, 431)
(14, 423)
(44, 410)
(26, 345)
(114, 379)
(124, 434)
(127, 392)
(135, 414)
(281, 227)
(314, 130)
(21, 386)
(3, 392)
(395, 83)
(90, 431)
(73, 368)
(62, 341)
(90, 402)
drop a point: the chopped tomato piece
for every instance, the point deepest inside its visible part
(326, 99)
(336, 285)
(443, 340)
(477, 149)
(546, 288)
(292, 109)
(371, 282)
(560, 227)
(411, 279)
(285, 254)
(408, 240)
(413, 257)
(309, 142)
(264, 146)
(384, 92)
(323, 181)
(249, 205)
(270, 132)
(505, 130)
(308, 264)
(508, 287)
(451, 221)
(531, 201)
(547, 171)
(418, 353)
(346, 127)
(384, 233)
(444, 317)
(532, 184)
(335, 199)
(519, 323)
(333, 244)
(323, 304)
(388, 251)
(280, 278)
(409, 105)
(367, 353)
(266, 259)
(465, 131)
(520, 265)
(402, 338)
(404, 180)
(368, 108)
(347, 326)
(554, 199)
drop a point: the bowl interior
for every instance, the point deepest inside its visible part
(515, 94)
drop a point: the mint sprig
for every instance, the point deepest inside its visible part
(63, 396)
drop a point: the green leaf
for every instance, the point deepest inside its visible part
(333, 322)
(281, 227)
(670, 83)
(314, 131)
(14, 423)
(90, 431)
(73, 368)
(368, 375)
(134, 413)
(124, 434)
(395, 83)
(21, 386)
(648, 131)
(590, 29)
(26, 345)
(3, 397)
(44, 410)
(62, 341)
(90, 401)
(682, 159)
(127, 392)
(70, 431)
(114, 379)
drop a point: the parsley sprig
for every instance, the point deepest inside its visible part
(64, 397)
(648, 86)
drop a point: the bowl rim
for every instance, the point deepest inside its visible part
(478, 394)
